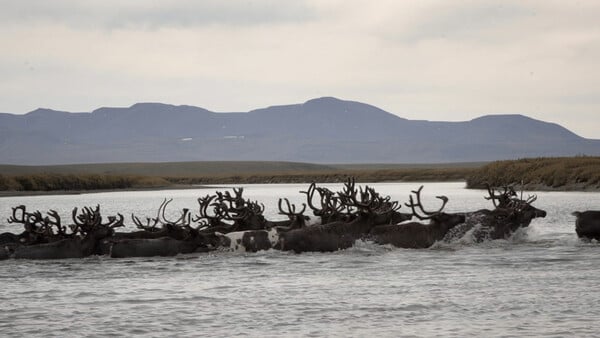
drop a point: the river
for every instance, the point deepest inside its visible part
(542, 281)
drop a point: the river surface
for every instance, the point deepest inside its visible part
(542, 281)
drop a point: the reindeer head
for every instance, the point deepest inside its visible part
(437, 218)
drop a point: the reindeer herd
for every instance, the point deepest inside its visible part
(229, 221)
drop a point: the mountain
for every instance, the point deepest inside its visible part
(323, 130)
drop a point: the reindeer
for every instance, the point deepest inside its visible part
(150, 247)
(38, 229)
(25, 237)
(161, 236)
(158, 226)
(89, 229)
(331, 209)
(214, 221)
(587, 224)
(257, 240)
(418, 235)
(171, 238)
(339, 235)
(510, 213)
(296, 220)
(233, 213)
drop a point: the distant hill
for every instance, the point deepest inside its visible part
(323, 130)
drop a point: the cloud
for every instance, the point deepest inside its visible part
(464, 20)
(422, 59)
(145, 14)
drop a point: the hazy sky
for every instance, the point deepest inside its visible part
(435, 60)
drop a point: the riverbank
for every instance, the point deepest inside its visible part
(64, 180)
(540, 174)
(529, 187)
(580, 173)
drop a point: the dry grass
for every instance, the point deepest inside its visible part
(425, 174)
(566, 173)
(574, 173)
(78, 182)
(71, 182)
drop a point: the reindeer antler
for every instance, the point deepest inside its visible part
(62, 230)
(419, 204)
(291, 209)
(148, 227)
(183, 220)
(14, 218)
(203, 216)
(503, 198)
(369, 198)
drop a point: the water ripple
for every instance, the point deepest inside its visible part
(540, 282)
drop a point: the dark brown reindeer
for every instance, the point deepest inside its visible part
(32, 224)
(158, 226)
(388, 213)
(37, 228)
(418, 235)
(89, 219)
(331, 209)
(587, 224)
(502, 199)
(211, 221)
(90, 230)
(517, 213)
(33, 232)
(335, 207)
(296, 220)
(233, 213)
(510, 213)
(160, 236)
(173, 237)
(339, 235)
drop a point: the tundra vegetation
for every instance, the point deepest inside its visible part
(572, 173)
(227, 220)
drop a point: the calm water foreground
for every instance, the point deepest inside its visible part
(541, 282)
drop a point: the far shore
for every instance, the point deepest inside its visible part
(13, 193)
(528, 187)
(579, 173)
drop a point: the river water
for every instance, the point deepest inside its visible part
(542, 281)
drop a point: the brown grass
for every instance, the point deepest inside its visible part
(563, 173)
(573, 173)
(78, 182)
(71, 182)
(425, 174)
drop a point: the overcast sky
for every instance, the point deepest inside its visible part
(435, 60)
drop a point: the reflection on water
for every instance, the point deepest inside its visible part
(540, 282)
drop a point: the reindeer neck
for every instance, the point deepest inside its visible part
(437, 230)
(362, 224)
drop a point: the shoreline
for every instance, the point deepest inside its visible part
(81, 192)
(527, 187)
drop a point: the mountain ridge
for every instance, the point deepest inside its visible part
(321, 130)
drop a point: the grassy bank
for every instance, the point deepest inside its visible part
(331, 176)
(148, 176)
(574, 173)
(565, 173)
(72, 182)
